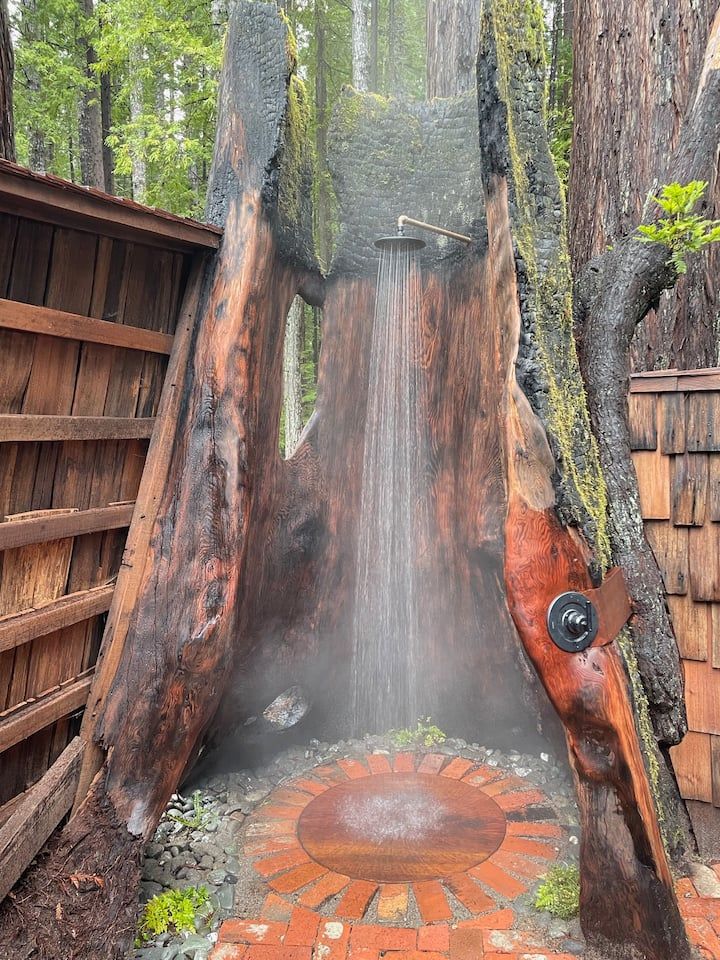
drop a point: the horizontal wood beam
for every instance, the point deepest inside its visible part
(22, 721)
(52, 525)
(20, 628)
(37, 815)
(15, 315)
(675, 381)
(25, 427)
(52, 200)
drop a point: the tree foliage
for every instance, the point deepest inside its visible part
(681, 230)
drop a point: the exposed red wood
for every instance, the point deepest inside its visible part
(15, 315)
(152, 487)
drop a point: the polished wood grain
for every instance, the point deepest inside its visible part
(399, 827)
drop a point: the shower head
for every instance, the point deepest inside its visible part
(400, 242)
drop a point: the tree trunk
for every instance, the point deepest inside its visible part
(139, 168)
(178, 647)
(453, 29)
(292, 377)
(90, 121)
(7, 134)
(106, 121)
(635, 70)
(360, 44)
(375, 45)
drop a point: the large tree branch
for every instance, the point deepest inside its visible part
(614, 294)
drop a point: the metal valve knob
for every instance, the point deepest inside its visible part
(572, 622)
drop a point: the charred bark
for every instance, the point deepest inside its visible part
(175, 658)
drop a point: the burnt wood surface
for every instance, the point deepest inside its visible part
(179, 638)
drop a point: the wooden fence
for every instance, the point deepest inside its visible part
(675, 426)
(91, 289)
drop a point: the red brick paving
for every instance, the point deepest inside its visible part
(291, 928)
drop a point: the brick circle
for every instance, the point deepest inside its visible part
(401, 827)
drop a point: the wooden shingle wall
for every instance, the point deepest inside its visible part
(675, 427)
(90, 293)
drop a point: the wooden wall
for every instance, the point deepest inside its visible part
(675, 425)
(78, 400)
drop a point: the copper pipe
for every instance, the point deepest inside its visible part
(402, 220)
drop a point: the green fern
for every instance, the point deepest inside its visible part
(559, 893)
(174, 911)
(682, 231)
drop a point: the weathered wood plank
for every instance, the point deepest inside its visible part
(704, 562)
(57, 323)
(715, 634)
(21, 427)
(715, 769)
(25, 719)
(37, 815)
(703, 421)
(689, 489)
(691, 761)
(671, 422)
(50, 525)
(670, 546)
(20, 628)
(653, 473)
(642, 412)
(713, 513)
(702, 696)
(691, 622)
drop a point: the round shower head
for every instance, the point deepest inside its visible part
(400, 242)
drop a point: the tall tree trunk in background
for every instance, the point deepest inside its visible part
(106, 124)
(40, 151)
(7, 137)
(360, 44)
(139, 170)
(375, 45)
(636, 66)
(453, 30)
(91, 139)
(292, 376)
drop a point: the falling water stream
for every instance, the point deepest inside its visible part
(393, 523)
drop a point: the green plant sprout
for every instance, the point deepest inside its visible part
(199, 815)
(681, 231)
(174, 911)
(426, 734)
(559, 893)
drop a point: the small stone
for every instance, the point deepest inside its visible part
(545, 757)
(216, 877)
(150, 889)
(153, 850)
(206, 862)
(196, 946)
(225, 897)
(574, 947)
(705, 880)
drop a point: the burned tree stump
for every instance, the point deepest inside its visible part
(159, 686)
